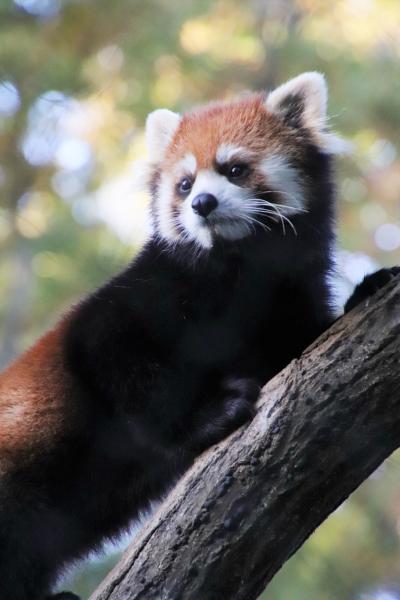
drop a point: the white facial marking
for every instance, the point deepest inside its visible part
(227, 152)
(281, 177)
(187, 165)
(237, 211)
(165, 219)
(227, 220)
(209, 182)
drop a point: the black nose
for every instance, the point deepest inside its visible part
(203, 204)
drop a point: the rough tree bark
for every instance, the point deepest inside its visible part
(323, 425)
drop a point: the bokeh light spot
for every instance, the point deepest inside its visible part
(40, 8)
(110, 58)
(387, 237)
(68, 184)
(371, 215)
(73, 154)
(9, 99)
(382, 154)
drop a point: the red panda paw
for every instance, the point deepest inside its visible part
(370, 284)
(232, 407)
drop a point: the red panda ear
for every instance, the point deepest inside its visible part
(302, 102)
(161, 125)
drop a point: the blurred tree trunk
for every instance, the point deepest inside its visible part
(323, 425)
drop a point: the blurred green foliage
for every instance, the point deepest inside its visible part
(77, 79)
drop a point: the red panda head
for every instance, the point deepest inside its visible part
(225, 169)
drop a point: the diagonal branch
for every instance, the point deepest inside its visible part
(323, 425)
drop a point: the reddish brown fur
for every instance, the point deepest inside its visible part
(33, 395)
(244, 122)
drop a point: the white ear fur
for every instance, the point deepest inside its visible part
(161, 125)
(303, 101)
(310, 92)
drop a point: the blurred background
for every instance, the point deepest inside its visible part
(77, 79)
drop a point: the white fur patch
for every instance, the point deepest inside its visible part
(228, 220)
(165, 220)
(210, 182)
(237, 212)
(195, 226)
(227, 152)
(331, 143)
(283, 178)
(161, 125)
(187, 165)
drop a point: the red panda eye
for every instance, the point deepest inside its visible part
(237, 171)
(184, 186)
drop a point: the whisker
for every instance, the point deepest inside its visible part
(269, 191)
(279, 215)
(260, 211)
(271, 215)
(256, 206)
(290, 223)
(256, 222)
(263, 201)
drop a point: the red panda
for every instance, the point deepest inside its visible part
(108, 409)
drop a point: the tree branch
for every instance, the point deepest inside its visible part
(323, 425)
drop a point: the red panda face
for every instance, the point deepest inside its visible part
(229, 168)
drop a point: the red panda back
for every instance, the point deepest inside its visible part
(34, 394)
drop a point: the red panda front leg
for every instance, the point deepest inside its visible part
(371, 284)
(26, 572)
(233, 406)
(21, 575)
(28, 566)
